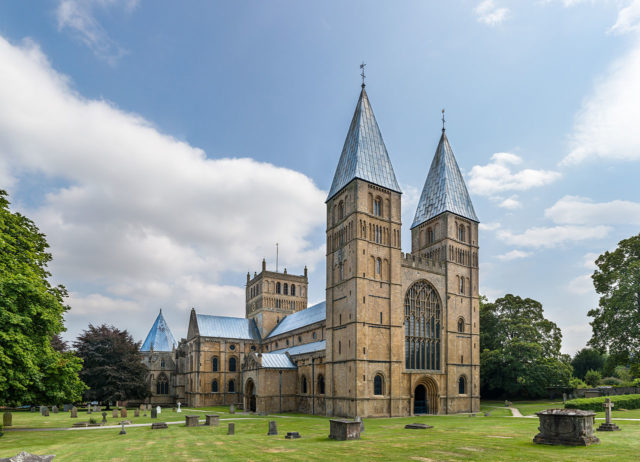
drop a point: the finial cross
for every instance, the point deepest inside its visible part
(362, 73)
(443, 121)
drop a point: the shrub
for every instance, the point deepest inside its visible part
(592, 377)
(622, 372)
(613, 381)
(636, 382)
(595, 404)
(577, 383)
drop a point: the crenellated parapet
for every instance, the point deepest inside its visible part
(411, 261)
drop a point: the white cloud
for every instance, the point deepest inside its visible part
(489, 226)
(581, 285)
(510, 203)
(589, 260)
(514, 255)
(497, 176)
(553, 236)
(489, 13)
(139, 220)
(628, 19)
(78, 16)
(574, 210)
(606, 126)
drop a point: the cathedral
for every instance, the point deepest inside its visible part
(398, 333)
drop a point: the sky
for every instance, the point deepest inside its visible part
(165, 147)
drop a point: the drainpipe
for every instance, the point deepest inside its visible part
(280, 391)
(313, 386)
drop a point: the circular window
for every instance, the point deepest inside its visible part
(232, 347)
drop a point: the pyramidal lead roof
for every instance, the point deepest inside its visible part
(159, 337)
(444, 190)
(364, 154)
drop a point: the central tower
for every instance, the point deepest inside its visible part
(364, 332)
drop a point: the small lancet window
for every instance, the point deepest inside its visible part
(377, 385)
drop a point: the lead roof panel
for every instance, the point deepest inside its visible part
(306, 317)
(277, 361)
(227, 327)
(305, 348)
(159, 337)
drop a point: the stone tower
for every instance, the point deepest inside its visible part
(271, 296)
(364, 333)
(445, 229)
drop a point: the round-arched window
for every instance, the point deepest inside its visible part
(378, 385)
(462, 385)
(422, 323)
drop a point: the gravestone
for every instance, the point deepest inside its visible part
(142, 407)
(104, 417)
(154, 414)
(123, 431)
(7, 419)
(212, 420)
(123, 412)
(145, 411)
(33, 409)
(487, 414)
(359, 419)
(342, 430)
(159, 425)
(114, 413)
(564, 398)
(158, 410)
(179, 404)
(66, 407)
(54, 409)
(96, 409)
(569, 427)
(231, 430)
(292, 436)
(232, 409)
(89, 409)
(608, 426)
(417, 426)
(136, 412)
(74, 412)
(273, 429)
(191, 420)
(42, 408)
(46, 412)
(24, 456)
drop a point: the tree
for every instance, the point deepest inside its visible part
(616, 321)
(520, 349)
(113, 366)
(587, 359)
(592, 378)
(31, 314)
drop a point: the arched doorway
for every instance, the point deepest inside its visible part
(420, 403)
(250, 395)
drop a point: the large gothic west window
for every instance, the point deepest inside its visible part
(422, 323)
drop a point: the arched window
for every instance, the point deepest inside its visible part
(314, 335)
(232, 386)
(214, 386)
(339, 347)
(162, 385)
(303, 385)
(340, 210)
(232, 364)
(341, 269)
(321, 384)
(378, 385)
(462, 385)
(462, 284)
(286, 288)
(430, 236)
(277, 287)
(293, 289)
(377, 207)
(163, 363)
(215, 364)
(422, 321)
(461, 233)
(460, 325)
(378, 266)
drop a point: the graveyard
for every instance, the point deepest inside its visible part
(491, 434)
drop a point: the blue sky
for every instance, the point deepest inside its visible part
(155, 142)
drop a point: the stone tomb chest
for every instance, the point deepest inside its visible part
(571, 427)
(342, 430)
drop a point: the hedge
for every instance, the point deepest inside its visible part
(595, 404)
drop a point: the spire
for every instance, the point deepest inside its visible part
(159, 337)
(444, 190)
(364, 154)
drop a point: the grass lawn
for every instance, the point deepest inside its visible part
(460, 437)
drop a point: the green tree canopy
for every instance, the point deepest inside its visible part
(113, 366)
(587, 359)
(520, 349)
(616, 321)
(31, 314)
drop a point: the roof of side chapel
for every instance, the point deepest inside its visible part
(159, 337)
(364, 154)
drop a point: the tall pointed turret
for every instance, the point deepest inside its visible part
(444, 190)
(364, 154)
(159, 337)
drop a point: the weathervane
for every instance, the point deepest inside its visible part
(443, 121)
(362, 73)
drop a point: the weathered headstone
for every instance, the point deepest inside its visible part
(74, 412)
(88, 408)
(66, 407)
(292, 436)
(570, 427)
(104, 417)
(96, 408)
(341, 430)
(232, 409)
(33, 409)
(608, 426)
(54, 409)
(154, 414)
(7, 419)
(114, 413)
(123, 431)
(123, 412)
(212, 420)
(191, 420)
(42, 408)
(136, 412)
(359, 419)
(143, 407)
(273, 428)
(158, 410)
(145, 411)
(24, 456)
(159, 425)
(46, 412)
(179, 404)
(417, 426)
(231, 429)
